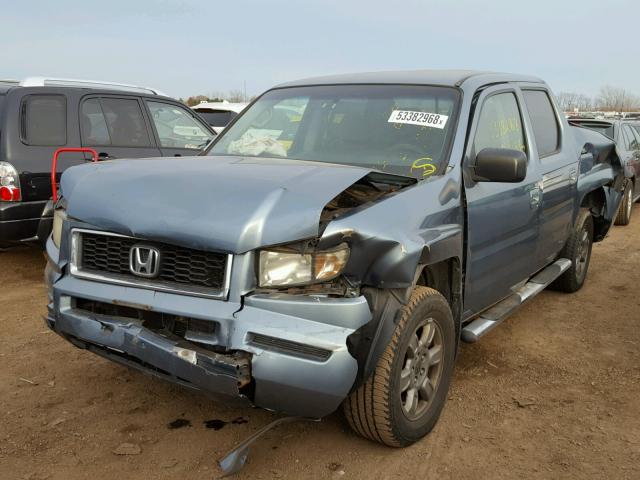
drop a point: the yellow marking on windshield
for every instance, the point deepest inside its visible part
(286, 144)
(424, 164)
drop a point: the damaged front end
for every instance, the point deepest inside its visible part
(250, 318)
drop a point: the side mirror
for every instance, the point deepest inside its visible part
(500, 165)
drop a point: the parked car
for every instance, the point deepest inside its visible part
(626, 134)
(219, 114)
(343, 258)
(40, 115)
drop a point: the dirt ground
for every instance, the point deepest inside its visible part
(552, 393)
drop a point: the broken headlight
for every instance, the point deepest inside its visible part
(59, 216)
(282, 267)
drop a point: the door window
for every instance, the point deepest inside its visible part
(630, 139)
(177, 128)
(44, 120)
(633, 130)
(93, 124)
(500, 124)
(125, 122)
(546, 130)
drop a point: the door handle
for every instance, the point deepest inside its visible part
(573, 176)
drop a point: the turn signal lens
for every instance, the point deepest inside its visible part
(59, 216)
(328, 265)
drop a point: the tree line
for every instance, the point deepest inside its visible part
(608, 99)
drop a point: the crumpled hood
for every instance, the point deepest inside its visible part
(230, 204)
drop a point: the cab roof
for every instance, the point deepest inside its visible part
(447, 78)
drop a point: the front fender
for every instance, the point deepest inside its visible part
(391, 238)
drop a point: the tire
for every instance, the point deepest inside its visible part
(379, 409)
(578, 250)
(626, 205)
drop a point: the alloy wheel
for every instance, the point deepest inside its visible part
(422, 369)
(582, 254)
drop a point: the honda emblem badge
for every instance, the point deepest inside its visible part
(144, 261)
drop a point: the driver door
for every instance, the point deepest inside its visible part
(502, 218)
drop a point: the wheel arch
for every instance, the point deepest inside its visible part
(368, 343)
(445, 276)
(600, 203)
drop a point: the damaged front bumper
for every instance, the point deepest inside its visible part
(280, 352)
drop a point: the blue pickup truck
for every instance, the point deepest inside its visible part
(335, 244)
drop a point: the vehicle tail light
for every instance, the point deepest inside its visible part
(9, 194)
(9, 183)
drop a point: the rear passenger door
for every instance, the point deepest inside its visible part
(502, 218)
(116, 127)
(559, 170)
(177, 129)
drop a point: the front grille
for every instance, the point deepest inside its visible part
(180, 267)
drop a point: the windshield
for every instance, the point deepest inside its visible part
(217, 118)
(399, 129)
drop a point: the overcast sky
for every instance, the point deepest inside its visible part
(188, 47)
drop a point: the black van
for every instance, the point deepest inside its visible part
(39, 116)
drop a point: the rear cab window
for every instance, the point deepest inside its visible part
(43, 120)
(546, 130)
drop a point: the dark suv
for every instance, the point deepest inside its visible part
(39, 116)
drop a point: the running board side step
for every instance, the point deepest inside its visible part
(494, 316)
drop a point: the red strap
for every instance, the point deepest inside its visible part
(54, 165)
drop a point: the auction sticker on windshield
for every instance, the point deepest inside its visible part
(424, 119)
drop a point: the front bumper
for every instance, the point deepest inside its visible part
(295, 347)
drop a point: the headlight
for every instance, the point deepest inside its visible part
(282, 267)
(59, 216)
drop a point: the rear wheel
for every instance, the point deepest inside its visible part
(401, 402)
(578, 250)
(624, 211)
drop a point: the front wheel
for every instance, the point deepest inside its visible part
(578, 250)
(626, 205)
(401, 402)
